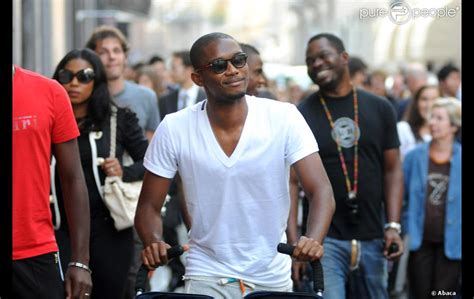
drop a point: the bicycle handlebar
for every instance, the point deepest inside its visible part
(318, 276)
(142, 274)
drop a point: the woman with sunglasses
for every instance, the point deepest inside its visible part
(82, 74)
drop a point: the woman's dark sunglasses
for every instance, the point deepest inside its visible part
(83, 76)
(219, 66)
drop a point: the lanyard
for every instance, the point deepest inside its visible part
(352, 193)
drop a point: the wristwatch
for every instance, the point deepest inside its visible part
(395, 225)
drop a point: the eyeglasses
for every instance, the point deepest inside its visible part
(83, 76)
(219, 66)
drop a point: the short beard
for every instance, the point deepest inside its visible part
(231, 98)
(331, 86)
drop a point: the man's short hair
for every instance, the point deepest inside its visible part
(249, 49)
(156, 58)
(107, 31)
(197, 48)
(446, 70)
(184, 56)
(138, 65)
(335, 41)
(356, 65)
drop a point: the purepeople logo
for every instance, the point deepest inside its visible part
(400, 12)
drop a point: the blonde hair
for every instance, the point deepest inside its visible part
(453, 106)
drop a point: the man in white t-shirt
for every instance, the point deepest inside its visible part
(233, 153)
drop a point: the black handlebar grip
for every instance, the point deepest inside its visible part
(174, 251)
(142, 274)
(318, 275)
(285, 248)
(140, 281)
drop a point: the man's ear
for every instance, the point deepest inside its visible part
(197, 79)
(345, 57)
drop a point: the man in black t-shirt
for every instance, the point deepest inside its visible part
(358, 141)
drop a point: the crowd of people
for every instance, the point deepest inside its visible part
(373, 159)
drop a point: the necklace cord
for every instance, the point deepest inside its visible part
(352, 193)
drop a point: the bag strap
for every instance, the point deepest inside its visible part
(113, 130)
(93, 136)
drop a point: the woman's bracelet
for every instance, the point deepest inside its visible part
(80, 265)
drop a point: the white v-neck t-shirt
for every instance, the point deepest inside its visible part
(240, 204)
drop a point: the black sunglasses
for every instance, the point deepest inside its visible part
(83, 76)
(219, 66)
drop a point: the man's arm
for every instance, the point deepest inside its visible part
(297, 268)
(393, 186)
(182, 203)
(148, 222)
(76, 202)
(292, 228)
(317, 187)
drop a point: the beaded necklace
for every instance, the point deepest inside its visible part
(352, 193)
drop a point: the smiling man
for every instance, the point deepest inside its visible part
(233, 153)
(359, 144)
